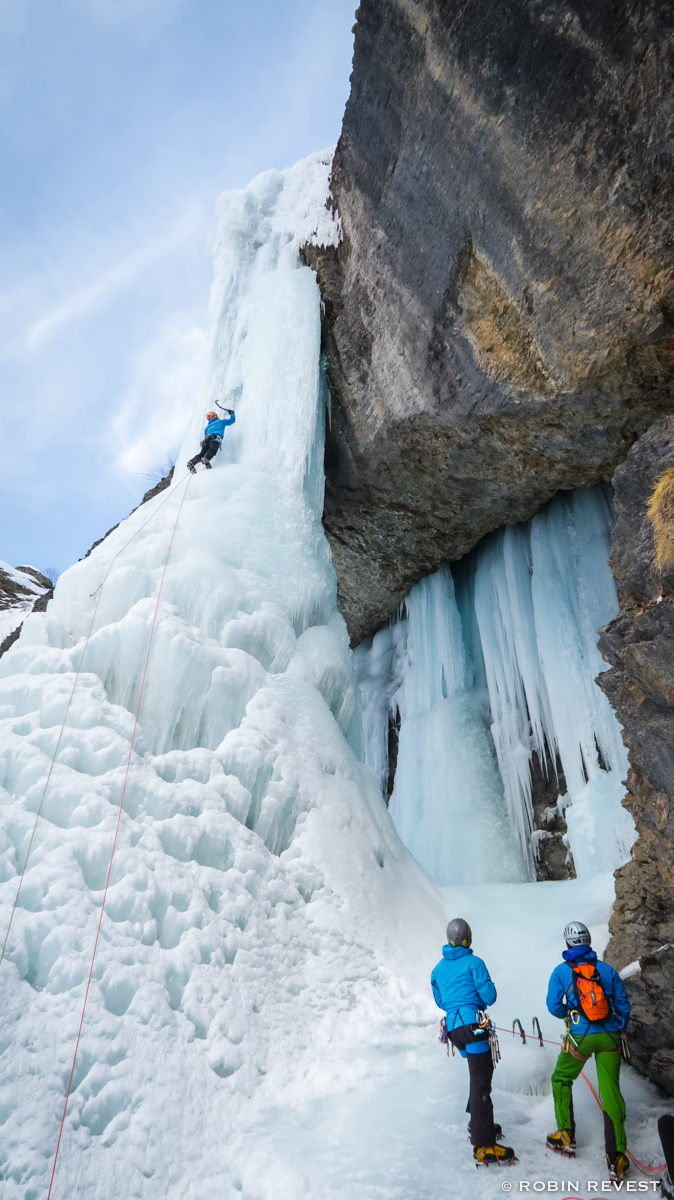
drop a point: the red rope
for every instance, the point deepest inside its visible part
(642, 1166)
(114, 844)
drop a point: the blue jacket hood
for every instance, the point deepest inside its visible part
(579, 954)
(453, 952)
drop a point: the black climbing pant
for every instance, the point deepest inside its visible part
(666, 1131)
(481, 1069)
(209, 449)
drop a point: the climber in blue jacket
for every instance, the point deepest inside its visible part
(590, 996)
(462, 986)
(212, 439)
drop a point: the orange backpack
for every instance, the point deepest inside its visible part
(590, 993)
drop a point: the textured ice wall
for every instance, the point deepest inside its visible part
(448, 803)
(262, 910)
(478, 695)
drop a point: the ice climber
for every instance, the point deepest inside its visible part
(462, 986)
(212, 439)
(591, 998)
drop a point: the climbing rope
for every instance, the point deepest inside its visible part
(98, 593)
(520, 1033)
(114, 843)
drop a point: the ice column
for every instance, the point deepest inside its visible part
(448, 802)
(573, 594)
(518, 697)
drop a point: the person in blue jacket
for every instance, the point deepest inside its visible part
(462, 987)
(594, 1004)
(212, 440)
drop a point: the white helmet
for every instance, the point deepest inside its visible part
(577, 934)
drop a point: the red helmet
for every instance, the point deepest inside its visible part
(210, 414)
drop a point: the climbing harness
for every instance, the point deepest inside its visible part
(97, 593)
(114, 843)
(483, 1022)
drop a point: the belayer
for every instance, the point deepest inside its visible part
(590, 996)
(462, 986)
(212, 439)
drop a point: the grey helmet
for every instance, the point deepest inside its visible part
(459, 933)
(577, 934)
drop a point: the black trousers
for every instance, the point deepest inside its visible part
(666, 1131)
(481, 1069)
(209, 449)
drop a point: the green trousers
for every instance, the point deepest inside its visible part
(606, 1049)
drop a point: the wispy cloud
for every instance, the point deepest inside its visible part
(123, 275)
(168, 376)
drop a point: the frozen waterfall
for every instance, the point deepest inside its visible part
(492, 662)
(259, 891)
(260, 1024)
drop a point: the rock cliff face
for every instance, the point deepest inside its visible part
(639, 643)
(499, 317)
(22, 590)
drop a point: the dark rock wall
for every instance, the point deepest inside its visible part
(639, 644)
(499, 315)
(31, 593)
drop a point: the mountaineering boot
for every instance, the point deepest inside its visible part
(206, 464)
(562, 1142)
(499, 1156)
(191, 467)
(618, 1165)
(666, 1187)
(498, 1132)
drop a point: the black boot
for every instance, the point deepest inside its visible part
(666, 1187)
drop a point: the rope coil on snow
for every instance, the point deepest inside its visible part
(99, 593)
(114, 844)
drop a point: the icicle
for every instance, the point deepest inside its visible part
(448, 800)
(573, 594)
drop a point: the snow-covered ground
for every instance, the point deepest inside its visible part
(260, 1023)
(394, 1127)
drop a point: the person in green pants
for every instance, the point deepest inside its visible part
(590, 996)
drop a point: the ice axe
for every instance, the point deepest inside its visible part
(223, 409)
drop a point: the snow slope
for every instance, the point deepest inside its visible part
(260, 1022)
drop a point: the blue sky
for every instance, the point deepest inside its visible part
(121, 121)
